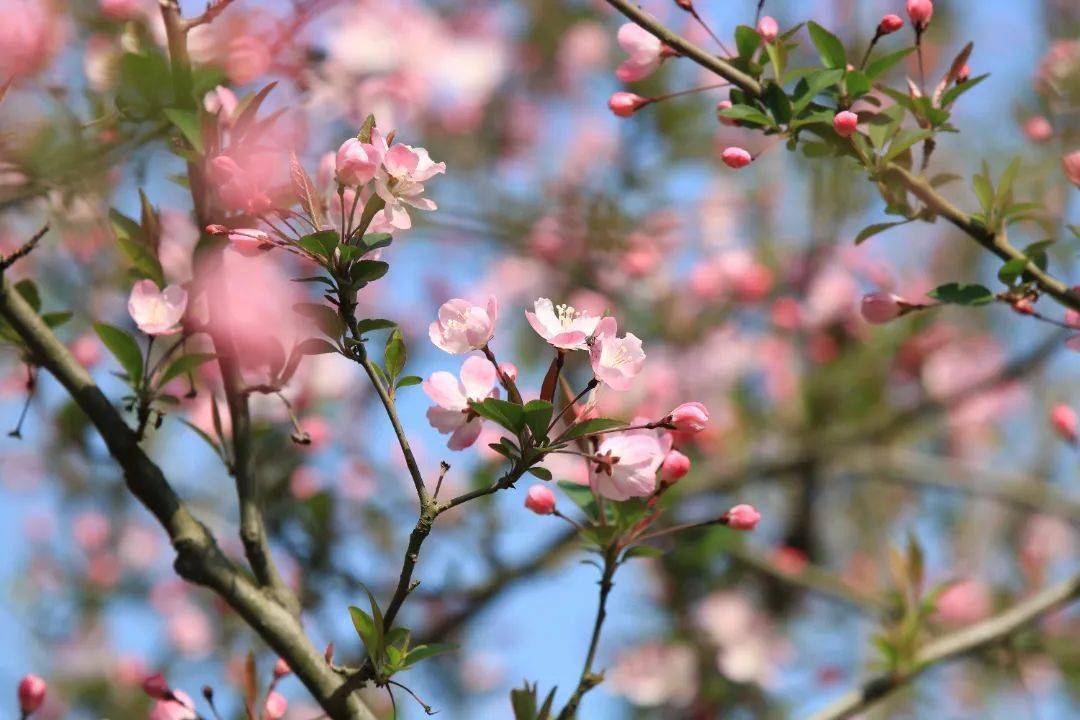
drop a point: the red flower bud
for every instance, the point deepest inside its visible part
(156, 687)
(920, 12)
(625, 104)
(1064, 420)
(890, 24)
(31, 693)
(736, 157)
(540, 500)
(880, 307)
(281, 668)
(845, 123)
(674, 467)
(721, 107)
(767, 28)
(742, 517)
(963, 75)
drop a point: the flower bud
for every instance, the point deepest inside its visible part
(31, 694)
(920, 12)
(736, 157)
(540, 500)
(156, 687)
(845, 123)
(1038, 129)
(890, 24)
(275, 706)
(963, 75)
(690, 417)
(509, 371)
(625, 104)
(721, 107)
(742, 517)
(880, 307)
(1071, 165)
(281, 668)
(768, 28)
(674, 467)
(1064, 420)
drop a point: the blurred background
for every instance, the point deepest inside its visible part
(850, 438)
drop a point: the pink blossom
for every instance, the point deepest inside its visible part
(768, 28)
(1064, 421)
(964, 602)
(561, 325)
(31, 694)
(120, 9)
(236, 188)
(655, 675)
(674, 467)
(645, 51)
(450, 413)
(880, 307)
(845, 123)
(920, 12)
(1038, 129)
(249, 242)
(157, 312)
(30, 36)
(625, 104)
(400, 179)
(890, 24)
(627, 463)
(275, 706)
(462, 326)
(221, 101)
(356, 162)
(690, 417)
(540, 500)
(736, 157)
(742, 517)
(1071, 165)
(179, 708)
(508, 370)
(90, 529)
(615, 361)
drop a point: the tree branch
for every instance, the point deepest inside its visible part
(953, 646)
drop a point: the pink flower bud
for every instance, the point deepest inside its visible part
(920, 12)
(625, 104)
(509, 371)
(736, 157)
(845, 123)
(1071, 165)
(275, 706)
(721, 107)
(674, 467)
(963, 75)
(880, 307)
(690, 417)
(890, 24)
(156, 687)
(31, 693)
(281, 668)
(1064, 420)
(1038, 129)
(742, 517)
(768, 28)
(540, 500)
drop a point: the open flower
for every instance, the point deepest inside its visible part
(157, 312)
(356, 162)
(627, 462)
(451, 414)
(562, 326)
(645, 51)
(462, 326)
(399, 181)
(615, 361)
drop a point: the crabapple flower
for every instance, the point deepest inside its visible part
(31, 694)
(399, 181)
(625, 104)
(275, 706)
(540, 500)
(1064, 420)
(645, 51)
(31, 34)
(768, 28)
(249, 242)
(736, 157)
(880, 307)
(742, 517)
(626, 463)
(178, 707)
(356, 162)
(1071, 165)
(615, 361)
(221, 101)
(462, 326)
(509, 371)
(890, 24)
(845, 123)
(920, 12)
(451, 414)
(157, 312)
(674, 467)
(561, 325)
(690, 417)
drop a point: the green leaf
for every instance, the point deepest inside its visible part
(320, 244)
(315, 346)
(747, 41)
(538, 416)
(502, 412)
(324, 317)
(304, 189)
(778, 103)
(422, 652)
(56, 319)
(408, 381)
(962, 294)
(642, 551)
(540, 472)
(206, 438)
(124, 348)
(28, 289)
(870, 230)
(953, 93)
(184, 365)
(580, 495)
(395, 354)
(857, 83)
(189, 125)
(1010, 272)
(365, 628)
(879, 66)
(370, 324)
(747, 114)
(374, 241)
(829, 47)
(815, 83)
(1005, 183)
(137, 247)
(904, 140)
(589, 427)
(366, 271)
(984, 191)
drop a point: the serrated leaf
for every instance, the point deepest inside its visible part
(395, 354)
(124, 348)
(588, 427)
(962, 294)
(366, 271)
(502, 412)
(320, 244)
(829, 47)
(538, 416)
(305, 190)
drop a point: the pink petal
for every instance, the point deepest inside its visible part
(445, 391)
